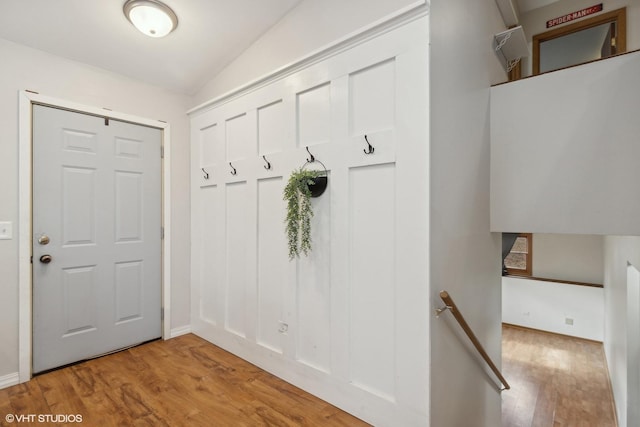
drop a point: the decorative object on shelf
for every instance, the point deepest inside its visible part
(233, 170)
(371, 148)
(205, 173)
(303, 184)
(268, 164)
(513, 46)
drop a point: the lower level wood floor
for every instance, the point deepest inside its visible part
(556, 381)
(184, 381)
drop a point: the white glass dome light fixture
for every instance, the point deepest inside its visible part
(151, 17)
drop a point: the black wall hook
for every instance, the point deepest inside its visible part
(206, 174)
(233, 170)
(312, 159)
(371, 147)
(268, 165)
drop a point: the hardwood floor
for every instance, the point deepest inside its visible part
(184, 381)
(556, 381)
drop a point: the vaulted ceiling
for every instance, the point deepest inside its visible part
(528, 5)
(210, 34)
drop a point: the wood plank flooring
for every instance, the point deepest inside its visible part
(185, 381)
(556, 381)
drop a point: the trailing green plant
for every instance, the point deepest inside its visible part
(299, 211)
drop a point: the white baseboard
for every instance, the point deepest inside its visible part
(9, 380)
(183, 330)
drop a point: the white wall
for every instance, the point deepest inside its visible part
(546, 306)
(619, 253)
(573, 257)
(534, 21)
(565, 160)
(310, 26)
(26, 68)
(465, 256)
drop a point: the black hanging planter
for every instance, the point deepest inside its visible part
(301, 186)
(318, 186)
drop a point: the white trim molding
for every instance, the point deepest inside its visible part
(9, 380)
(182, 330)
(25, 329)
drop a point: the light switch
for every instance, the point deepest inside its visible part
(6, 230)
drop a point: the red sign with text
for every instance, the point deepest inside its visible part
(574, 15)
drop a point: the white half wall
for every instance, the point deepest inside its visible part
(26, 68)
(565, 309)
(564, 150)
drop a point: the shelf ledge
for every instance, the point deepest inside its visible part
(512, 44)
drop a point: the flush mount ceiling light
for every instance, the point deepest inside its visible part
(151, 17)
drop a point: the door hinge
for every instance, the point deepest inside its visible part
(31, 259)
(106, 121)
(161, 233)
(161, 313)
(162, 151)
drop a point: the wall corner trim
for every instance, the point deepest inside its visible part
(412, 12)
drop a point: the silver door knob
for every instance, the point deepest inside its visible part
(43, 239)
(46, 259)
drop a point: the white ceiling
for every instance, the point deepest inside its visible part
(528, 5)
(210, 34)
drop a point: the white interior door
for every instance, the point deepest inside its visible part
(96, 236)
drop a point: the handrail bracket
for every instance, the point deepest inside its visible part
(441, 310)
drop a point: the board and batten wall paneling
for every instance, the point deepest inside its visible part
(272, 266)
(271, 128)
(210, 147)
(348, 322)
(372, 98)
(237, 234)
(314, 115)
(314, 291)
(372, 278)
(238, 133)
(208, 270)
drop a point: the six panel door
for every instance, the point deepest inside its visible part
(96, 236)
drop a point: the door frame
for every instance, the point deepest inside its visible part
(25, 215)
(619, 16)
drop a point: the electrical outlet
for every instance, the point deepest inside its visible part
(6, 230)
(568, 321)
(283, 327)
